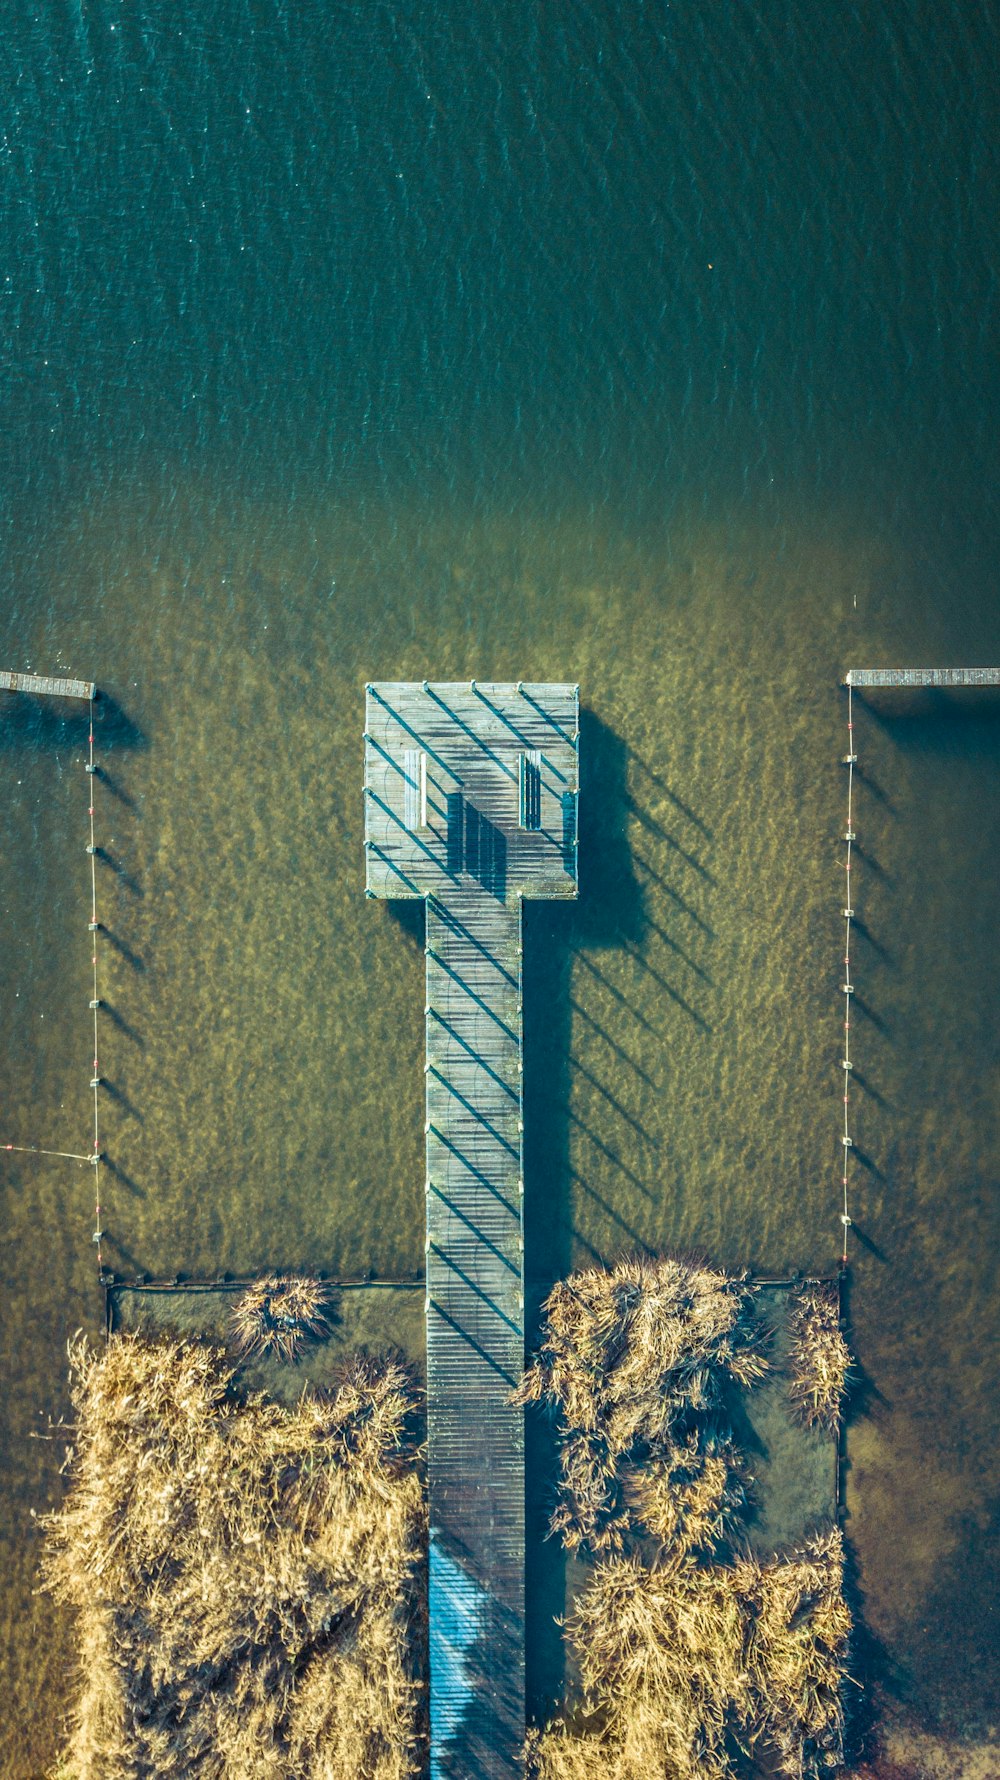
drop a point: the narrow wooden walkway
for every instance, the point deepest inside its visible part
(985, 676)
(471, 794)
(475, 1336)
(46, 685)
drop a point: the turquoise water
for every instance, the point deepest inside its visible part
(651, 346)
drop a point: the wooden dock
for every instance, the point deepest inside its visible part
(46, 686)
(470, 802)
(985, 676)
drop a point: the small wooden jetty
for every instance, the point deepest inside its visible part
(45, 685)
(471, 803)
(985, 676)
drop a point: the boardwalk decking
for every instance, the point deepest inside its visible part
(46, 685)
(985, 676)
(471, 802)
(475, 1337)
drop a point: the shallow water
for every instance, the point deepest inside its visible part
(646, 347)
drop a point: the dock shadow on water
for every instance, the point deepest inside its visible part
(934, 719)
(608, 913)
(409, 914)
(33, 721)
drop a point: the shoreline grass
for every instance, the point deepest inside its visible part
(631, 1364)
(819, 1360)
(699, 1671)
(698, 1660)
(280, 1316)
(247, 1580)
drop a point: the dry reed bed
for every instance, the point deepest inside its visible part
(631, 1363)
(701, 1661)
(281, 1315)
(694, 1671)
(819, 1359)
(247, 1579)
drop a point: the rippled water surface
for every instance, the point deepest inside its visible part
(651, 346)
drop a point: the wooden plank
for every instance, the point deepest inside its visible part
(982, 676)
(475, 1337)
(449, 817)
(47, 686)
(472, 744)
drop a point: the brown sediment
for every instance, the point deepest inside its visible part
(819, 1359)
(691, 1670)
(280, 1315)
(632, 1360)
(246, 1580)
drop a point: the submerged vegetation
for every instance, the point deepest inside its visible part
(281, 1315)
(697, 1659)
(631, 1361)
(819, 1359)
(247, 1579)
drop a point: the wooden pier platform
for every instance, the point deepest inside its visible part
(46, 685)
(470, 802)
(985, 676)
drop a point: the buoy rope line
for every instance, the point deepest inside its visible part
(847, 987)
(30, 1149)
(94, 1156)
(95, 1001)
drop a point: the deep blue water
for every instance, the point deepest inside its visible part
(634, 251)
(653, 345)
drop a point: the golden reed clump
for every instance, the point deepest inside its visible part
(631, 1362)
(702, 1659)
(247, 1579)
(690, 1668)
(819, 1358)
(281, 1315)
